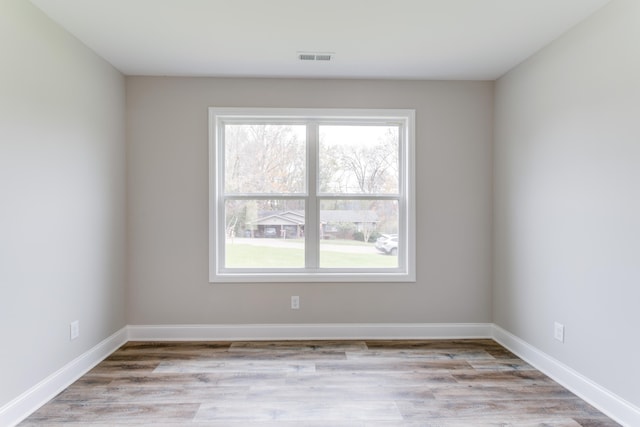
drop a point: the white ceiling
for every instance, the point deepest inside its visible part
(401, 39)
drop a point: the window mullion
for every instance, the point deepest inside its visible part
(220, 249)
(312, 228)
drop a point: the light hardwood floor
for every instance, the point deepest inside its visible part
(316, 383)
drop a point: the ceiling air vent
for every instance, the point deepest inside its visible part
(315, 56)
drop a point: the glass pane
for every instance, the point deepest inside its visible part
(359, 234)
(359, 159)
(264, 158)
(264, 234)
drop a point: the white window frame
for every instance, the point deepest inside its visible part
(406, 270)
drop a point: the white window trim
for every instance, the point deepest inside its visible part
(406, 272)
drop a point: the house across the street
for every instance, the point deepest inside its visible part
(333, 224)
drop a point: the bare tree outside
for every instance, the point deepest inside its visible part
(359, 159)
(264, 158)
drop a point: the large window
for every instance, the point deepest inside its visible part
(311, 195)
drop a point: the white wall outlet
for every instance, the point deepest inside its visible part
(295, 303)
(558, 331)
(74, 329)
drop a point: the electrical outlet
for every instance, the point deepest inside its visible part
(295, 303)
(74, 329)
(558, 331)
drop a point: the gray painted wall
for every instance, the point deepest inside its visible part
(62, 194)
(567, 199)
(167, 137)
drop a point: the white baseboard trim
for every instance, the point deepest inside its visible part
(309, 331)
(28, 402)
(612, 405)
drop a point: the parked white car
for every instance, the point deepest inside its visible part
(387, 243)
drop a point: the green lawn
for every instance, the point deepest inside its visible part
(249, 256)
(348, 260)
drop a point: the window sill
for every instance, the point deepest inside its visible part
(341, 277)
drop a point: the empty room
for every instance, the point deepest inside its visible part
(331, 213)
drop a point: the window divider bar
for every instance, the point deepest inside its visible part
(261, 196)
(312, 209)
(359, 196)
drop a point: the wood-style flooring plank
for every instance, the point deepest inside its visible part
(83, 413)
(240, 366)
(301, 411)
(150, 393)
(339, 393)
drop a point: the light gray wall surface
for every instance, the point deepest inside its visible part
(567, 192)
(62, 195)
(167, 134)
